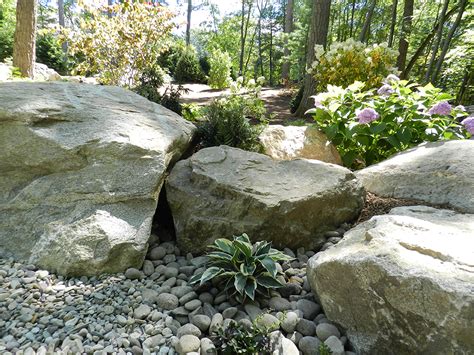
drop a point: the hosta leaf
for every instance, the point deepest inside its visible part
(268, 282)
(244, 247)
(377, 128)
(240, 282)
(224, 245)
(210, 273)
(219, 256)
(247, 269)
(195, 279)
(279, 256)
(269, 265)
(262, 249)
(250, 288)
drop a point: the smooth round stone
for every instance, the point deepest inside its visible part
(192, 305)
(326, 330)
(306, 327)
(289, 322)
(171, 272)
(253, 311)
(148, 268)
(180, 291)
(268, 321)
(167, 301)
(188, 329)
(157, 253)
(335, 345)
(188, 297)
(133, 274)
(216, 322)
(289, 289)
(201, 321)
(309, 308)
(309, 345)
(208, 347)
(206, 297)
(229, 312)
(142, 311)
(189, 343)
(279, 304)
(109, 309)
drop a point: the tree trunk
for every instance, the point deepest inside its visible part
(364, 34)
(285, 69)
(352, 18)
(188, 23)
(425, 43)
(393, 23)
(447, 41)
(437, 42)
(244, 25)
(25, 37)
(61, 21)
(318, 33)
(405, 34)
(271, 45)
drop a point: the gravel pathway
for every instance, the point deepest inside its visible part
(152, 310)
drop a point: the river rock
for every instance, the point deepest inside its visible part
(223, 191)
(80, 173)
(439, 173)
(293, 142)
(410, 277)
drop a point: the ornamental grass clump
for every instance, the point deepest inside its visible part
(241, 268)
(369, 126)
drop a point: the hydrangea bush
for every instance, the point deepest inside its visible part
(369, 126)
(219, 73)
(349, 61)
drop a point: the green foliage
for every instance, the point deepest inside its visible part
(120, 48)
(188, 69)
(351, 61)
(168, 59)
(170, 98)
(151, 79)
(228, 118)
(369, 126)
(191, 112)
(49, 52)
(219, 73)
(324, 349)
(7, 28)
(241, 267)
(239, 339)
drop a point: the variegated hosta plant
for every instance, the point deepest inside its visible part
(241, 267)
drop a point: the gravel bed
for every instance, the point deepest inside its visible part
(152, 310)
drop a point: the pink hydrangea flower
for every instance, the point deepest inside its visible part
(367, 115)
(469, 124)
(442, 108)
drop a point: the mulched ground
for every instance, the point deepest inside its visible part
(376, 205)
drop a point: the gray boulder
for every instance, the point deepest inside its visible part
(224, 191)
(402, 282)
(80, 173)
(440, 173)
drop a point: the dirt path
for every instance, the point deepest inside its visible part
(277, 100)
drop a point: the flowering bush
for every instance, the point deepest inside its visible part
(369, 126)
(349, 61)
(219, 73)
(121, 41)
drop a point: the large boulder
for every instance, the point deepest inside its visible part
(80, 173)
(224, 191)
(292, 142)
(440, 173)
(402, 283)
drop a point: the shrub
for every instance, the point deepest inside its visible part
(188, 69)
(205, 65)
(369, 126)
(350, 61)
(219, 73)
(151, 79)
(236, 338)
(228, 118)
(168, 59)
(191, 112)
(7, 28)
(49, 52)
(296, 100)
(121, 47)
(241, 267)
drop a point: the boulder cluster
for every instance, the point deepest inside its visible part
(81, 171)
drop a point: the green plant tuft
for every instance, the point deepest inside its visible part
(242, 268)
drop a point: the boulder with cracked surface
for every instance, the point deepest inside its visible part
(222, 191)
(80, 173)
(402, 283)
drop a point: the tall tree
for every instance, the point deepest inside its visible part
(25, 37)
(447, 40)
(61, 21)
(188, 23)
(405, 34)
(364, 34)
(288, 28)
(318, 33)
(393, 23)
(437, 42)
(244, 26)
